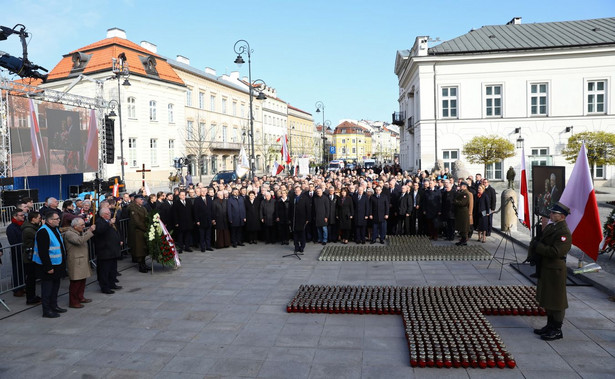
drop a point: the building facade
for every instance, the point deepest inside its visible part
(352, 142)
(300, 133)
(537, 83)
(151, 106)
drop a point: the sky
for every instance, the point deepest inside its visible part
(339, 52)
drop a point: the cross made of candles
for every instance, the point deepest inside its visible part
(445, 326)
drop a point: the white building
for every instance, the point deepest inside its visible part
(540, 82)
(152, 107)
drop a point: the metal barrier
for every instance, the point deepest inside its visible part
(5, 214)
(122, 228)
(38, 206)
(12, 275)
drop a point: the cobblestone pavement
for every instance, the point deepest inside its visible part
(223, 314)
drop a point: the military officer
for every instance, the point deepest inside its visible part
(552, 248)
(137, 229)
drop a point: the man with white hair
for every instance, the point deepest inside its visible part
(107, 244)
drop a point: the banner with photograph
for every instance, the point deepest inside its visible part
(50, 138)
(547, 185)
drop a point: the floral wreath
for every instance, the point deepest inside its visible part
(160, 244)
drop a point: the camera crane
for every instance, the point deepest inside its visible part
(20, 66)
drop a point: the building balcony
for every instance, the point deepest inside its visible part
(398, 118)
(225, 145)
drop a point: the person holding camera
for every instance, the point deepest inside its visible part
(77, 260)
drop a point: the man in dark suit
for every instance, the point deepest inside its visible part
(492, 198)
(379, 214)
(108, 245)
(321, 209)
(362, 211)
(310, 230)
(282, 210)
(236, 210)
(182, 216)
(164, 209)
(333, 225)
(202, 219)
(415, 202)
(403, 212)
(300, 215)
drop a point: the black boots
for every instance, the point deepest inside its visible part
(554, 333)
(143, 267)
(546, 328)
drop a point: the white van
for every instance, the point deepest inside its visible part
(335, 166)
(368, 163)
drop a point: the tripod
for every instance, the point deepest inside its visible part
(295, 254)
(503, 259)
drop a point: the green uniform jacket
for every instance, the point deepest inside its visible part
(137, 229)
(462, 212)
(553, 247)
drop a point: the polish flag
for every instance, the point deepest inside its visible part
(580, 197)
(276, 169)
(34, 132)
(91, 150)
(524, 208)
(285, 152)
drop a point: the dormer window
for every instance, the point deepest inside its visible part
(80, 60)
(149, 63)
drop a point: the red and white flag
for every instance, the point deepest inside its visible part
(91, 149)
(580, 197)
(276, 168)
(285, 152)
(171, 242)
(524, 208)
(34, 132)
(146, 189)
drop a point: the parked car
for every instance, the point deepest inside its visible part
(227, 175)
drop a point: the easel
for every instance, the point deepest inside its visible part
(507, 235)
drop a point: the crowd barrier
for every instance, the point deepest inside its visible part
(12, 275)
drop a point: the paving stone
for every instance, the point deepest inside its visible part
(284, 369)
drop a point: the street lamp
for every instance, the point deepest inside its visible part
(120, 69)
(320, 106)
(520, 140)
(242, 47)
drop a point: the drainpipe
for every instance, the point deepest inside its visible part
(435, 113)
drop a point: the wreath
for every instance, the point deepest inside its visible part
(160, 244)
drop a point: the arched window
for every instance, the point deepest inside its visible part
(152, 110)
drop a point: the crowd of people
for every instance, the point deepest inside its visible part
(331, 207)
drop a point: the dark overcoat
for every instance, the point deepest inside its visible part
(137, 228)
(482, 204)
(345, 212)
(300, 212)
(448, 205)
(404, 204)
(182, 215)
(553, 247)
(379, 207)
(332, 208)
(462, 212)
(282, 211)
(431, 203)
(253, 221)
(164, 210)
(107, 241)
(321, 210)
(220, 214)
(202, 212)
(236, 211)
(267, 212)
(362, 209)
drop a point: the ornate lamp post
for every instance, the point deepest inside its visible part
(120, 69)
(242, 47)
(320, 106)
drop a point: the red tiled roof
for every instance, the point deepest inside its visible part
(103, 51)
(298, 110)
(350, 128)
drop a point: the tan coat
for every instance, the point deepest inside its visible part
(553, 247)
(137, 229)
(77, 257)
(463, 212)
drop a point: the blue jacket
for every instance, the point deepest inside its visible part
(236, 210)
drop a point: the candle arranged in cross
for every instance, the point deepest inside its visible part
(143, 171)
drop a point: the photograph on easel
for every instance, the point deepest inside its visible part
(547, 186)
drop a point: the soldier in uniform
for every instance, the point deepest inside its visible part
(552, 249)
(463, 213)
(137, 228)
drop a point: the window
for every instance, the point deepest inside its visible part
(538, 99)
(214, 131)
(189, 97)
(212, 103)
(493, 101)
(224, 130)
(152, 110)
(235, 135)
(132, 152)
(449, 102)
(448, 157)
(243, 110)
(214, 164)
(596, 91)
(344, 150)
(171, 119)
(234, 108)
(190, 130)
(202, 100)
(202, 131)
(494, 171)
(223, 105)
(599, 171)
(204, 164)
(132, 109)
(343, 140)
(171, 151)
(153, 153)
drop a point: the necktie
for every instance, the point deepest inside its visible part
(377, 196)
(359, 197)
(184, 202)
(296, 200)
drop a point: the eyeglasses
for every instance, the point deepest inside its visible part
(54, 219)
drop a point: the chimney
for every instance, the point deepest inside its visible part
(514, 21)
(184, 60)
(149, 46)
(116, 32)
(210, 71)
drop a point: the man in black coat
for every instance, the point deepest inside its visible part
(403, 211)
(362, 211)
(310, 230)
(414, 201)
(202, 219)
(182, 216)
(300, 215)
(164, 209)
(333, 225)
(431, 205)
(448, 210)
(492, 198)
(422, 220)
(108, 246)
(379, 215)
(282, 209)
(321, 209)
(13, 234)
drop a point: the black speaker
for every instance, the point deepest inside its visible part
(109, 140)
(13, 197)
(74, 191)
